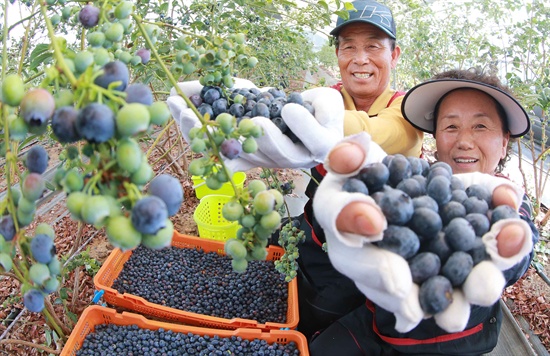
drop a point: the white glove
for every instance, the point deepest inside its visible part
(275, 150)
(384, 277)
(318, 134)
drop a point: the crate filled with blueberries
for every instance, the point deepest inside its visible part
(193, 282)
(104, 331)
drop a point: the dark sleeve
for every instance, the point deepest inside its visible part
(514, 273)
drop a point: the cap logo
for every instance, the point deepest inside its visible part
(384, 15)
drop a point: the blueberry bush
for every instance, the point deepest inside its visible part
(93, 77)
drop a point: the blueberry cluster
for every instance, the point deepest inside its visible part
(204, 283)
(434, 222)
(249, 103)
(103, 35)
(109, 339)
(45, 270)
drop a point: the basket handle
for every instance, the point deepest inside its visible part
(199, 185)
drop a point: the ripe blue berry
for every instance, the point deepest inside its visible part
(435, 294)
(96, 123)
(168, 189)
(149, 215)
(457, 268)
(503, 212)
(400, 169)
(397, 206)
(440, 247)
(479, 222)
(439, 188)
(115, 71)
(478, 252)
(425, 201)
(37, 159)
(231, 148)
(475, 205)
(34, 300)
(354, 185)
(423, 266)
(375, 176)
(89, 16)
(460, 235)
(412, 187)
(400, 240)
(426, 223)
(42, 248)
(139, 93)
(451, 210)
(481, 192)
(7, 227)
(64, 124)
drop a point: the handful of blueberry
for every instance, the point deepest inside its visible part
(248, 103)
(434, 222)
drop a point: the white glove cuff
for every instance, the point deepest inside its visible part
(374, 154)
(484, 284)
(490, 182)
(490, 241)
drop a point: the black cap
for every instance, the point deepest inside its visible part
(370, 12)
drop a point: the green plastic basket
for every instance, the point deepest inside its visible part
(210, 221)
(202, 190)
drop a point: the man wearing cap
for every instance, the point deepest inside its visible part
(367, 52)
(363, 102)
(472, 117)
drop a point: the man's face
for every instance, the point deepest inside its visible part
(365, 59)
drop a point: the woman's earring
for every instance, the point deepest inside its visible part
(436, 156)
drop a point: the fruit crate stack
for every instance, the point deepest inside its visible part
(199, 315)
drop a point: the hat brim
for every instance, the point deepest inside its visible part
(337, 29)
(419, 103)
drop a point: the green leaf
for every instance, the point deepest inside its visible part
(48, 337)
(164, 7)
(349, 6)
(50, 186)
(55, 336)
(72, 316)
(39, 54)
(63, 293)
(164, 49)
(38, 60)
(343, 14)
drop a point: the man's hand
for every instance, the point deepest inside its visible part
(316, 133)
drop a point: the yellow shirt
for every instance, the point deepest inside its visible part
(386, 125)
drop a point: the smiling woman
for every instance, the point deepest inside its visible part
(471, 138)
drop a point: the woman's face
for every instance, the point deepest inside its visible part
(469, 134)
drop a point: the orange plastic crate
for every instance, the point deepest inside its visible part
(115, 262)
(97, 315)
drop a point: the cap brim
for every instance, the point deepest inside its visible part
(337, 29)
(419, 103)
